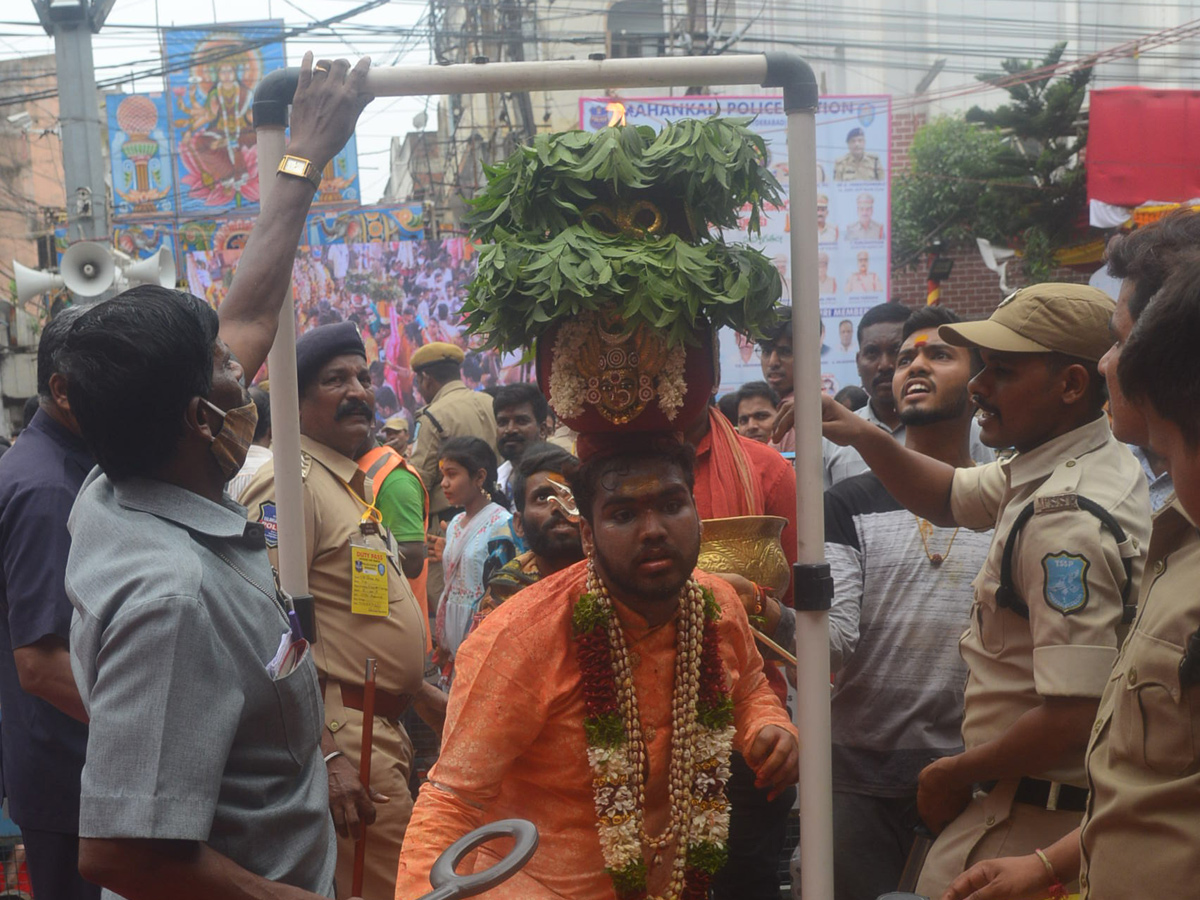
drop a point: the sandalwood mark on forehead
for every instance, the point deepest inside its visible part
(927, 336)
(636, 486)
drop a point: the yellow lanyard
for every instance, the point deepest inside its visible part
(370, 510)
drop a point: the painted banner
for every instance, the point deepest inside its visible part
(140, 154)
(139, 240)
(380, 225)
(853, 211)
(143, 239)
(366, 224)
(339, 179)
(402, 294)
(370, 224)
(212, 73)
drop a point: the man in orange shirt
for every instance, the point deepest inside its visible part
(567, 704)
(736, 476)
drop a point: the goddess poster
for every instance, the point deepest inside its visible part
(212, 73)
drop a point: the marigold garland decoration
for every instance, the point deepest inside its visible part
(701, 741)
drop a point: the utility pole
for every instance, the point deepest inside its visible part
(71, 24)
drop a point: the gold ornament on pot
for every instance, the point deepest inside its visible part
(748, 546)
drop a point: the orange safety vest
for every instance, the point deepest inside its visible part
(377, 465)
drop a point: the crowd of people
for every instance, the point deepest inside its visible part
(1009, 511)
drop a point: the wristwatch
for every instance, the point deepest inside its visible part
(301, 168)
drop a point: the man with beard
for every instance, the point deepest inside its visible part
(879, 333)
(568, 702)
(1070, 513)
(353, 563)
(756, 405)
(540, 520)
(522, 417)
(902, 595)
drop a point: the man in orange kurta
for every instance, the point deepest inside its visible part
(514, 743)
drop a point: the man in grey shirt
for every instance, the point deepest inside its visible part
(902, 597)
(176, 619)
(204, 774)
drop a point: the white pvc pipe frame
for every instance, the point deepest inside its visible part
(812, 627)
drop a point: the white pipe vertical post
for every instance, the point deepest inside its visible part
(285, 405)
(812, 625)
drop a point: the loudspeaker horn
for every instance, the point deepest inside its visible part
(88, 269)
(32, 282)
(157, 269)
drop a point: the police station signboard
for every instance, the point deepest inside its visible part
(853, 210)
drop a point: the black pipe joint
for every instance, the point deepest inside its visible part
(812, 587)
(795, 76)
(273, 96)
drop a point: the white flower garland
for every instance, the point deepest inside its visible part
(699, 765)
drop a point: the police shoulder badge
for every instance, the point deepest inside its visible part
(266, 517)
(1066, 588)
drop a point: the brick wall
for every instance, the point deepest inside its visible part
(904, 126)
(972, 290)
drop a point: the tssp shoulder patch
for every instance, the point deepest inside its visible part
(266, 517)
(1066, 587)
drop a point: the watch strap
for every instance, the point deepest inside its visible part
(290, 164)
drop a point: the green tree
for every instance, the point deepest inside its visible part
(1010, 175)
(947, 192)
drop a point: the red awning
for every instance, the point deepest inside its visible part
(1142, 145)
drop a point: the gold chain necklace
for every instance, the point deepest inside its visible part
(925, 530)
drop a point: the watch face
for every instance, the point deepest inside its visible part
(295, 167)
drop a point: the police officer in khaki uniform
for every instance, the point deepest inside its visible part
(1070, 512)
(364, 605)
(1138, 836)
(453, 410)
(857, 165)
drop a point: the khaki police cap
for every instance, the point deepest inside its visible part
(1043, 318)
(396, 423)
(436, 352)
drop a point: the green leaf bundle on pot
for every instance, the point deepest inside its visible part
(618, 221)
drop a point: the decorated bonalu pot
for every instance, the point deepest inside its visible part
(601, 375)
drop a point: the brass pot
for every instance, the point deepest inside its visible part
(748, 546)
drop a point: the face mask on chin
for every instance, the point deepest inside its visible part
(231, 444)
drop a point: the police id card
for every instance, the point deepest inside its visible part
(368, 580)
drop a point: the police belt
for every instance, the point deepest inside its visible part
(387, 706)
(1050, 795)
